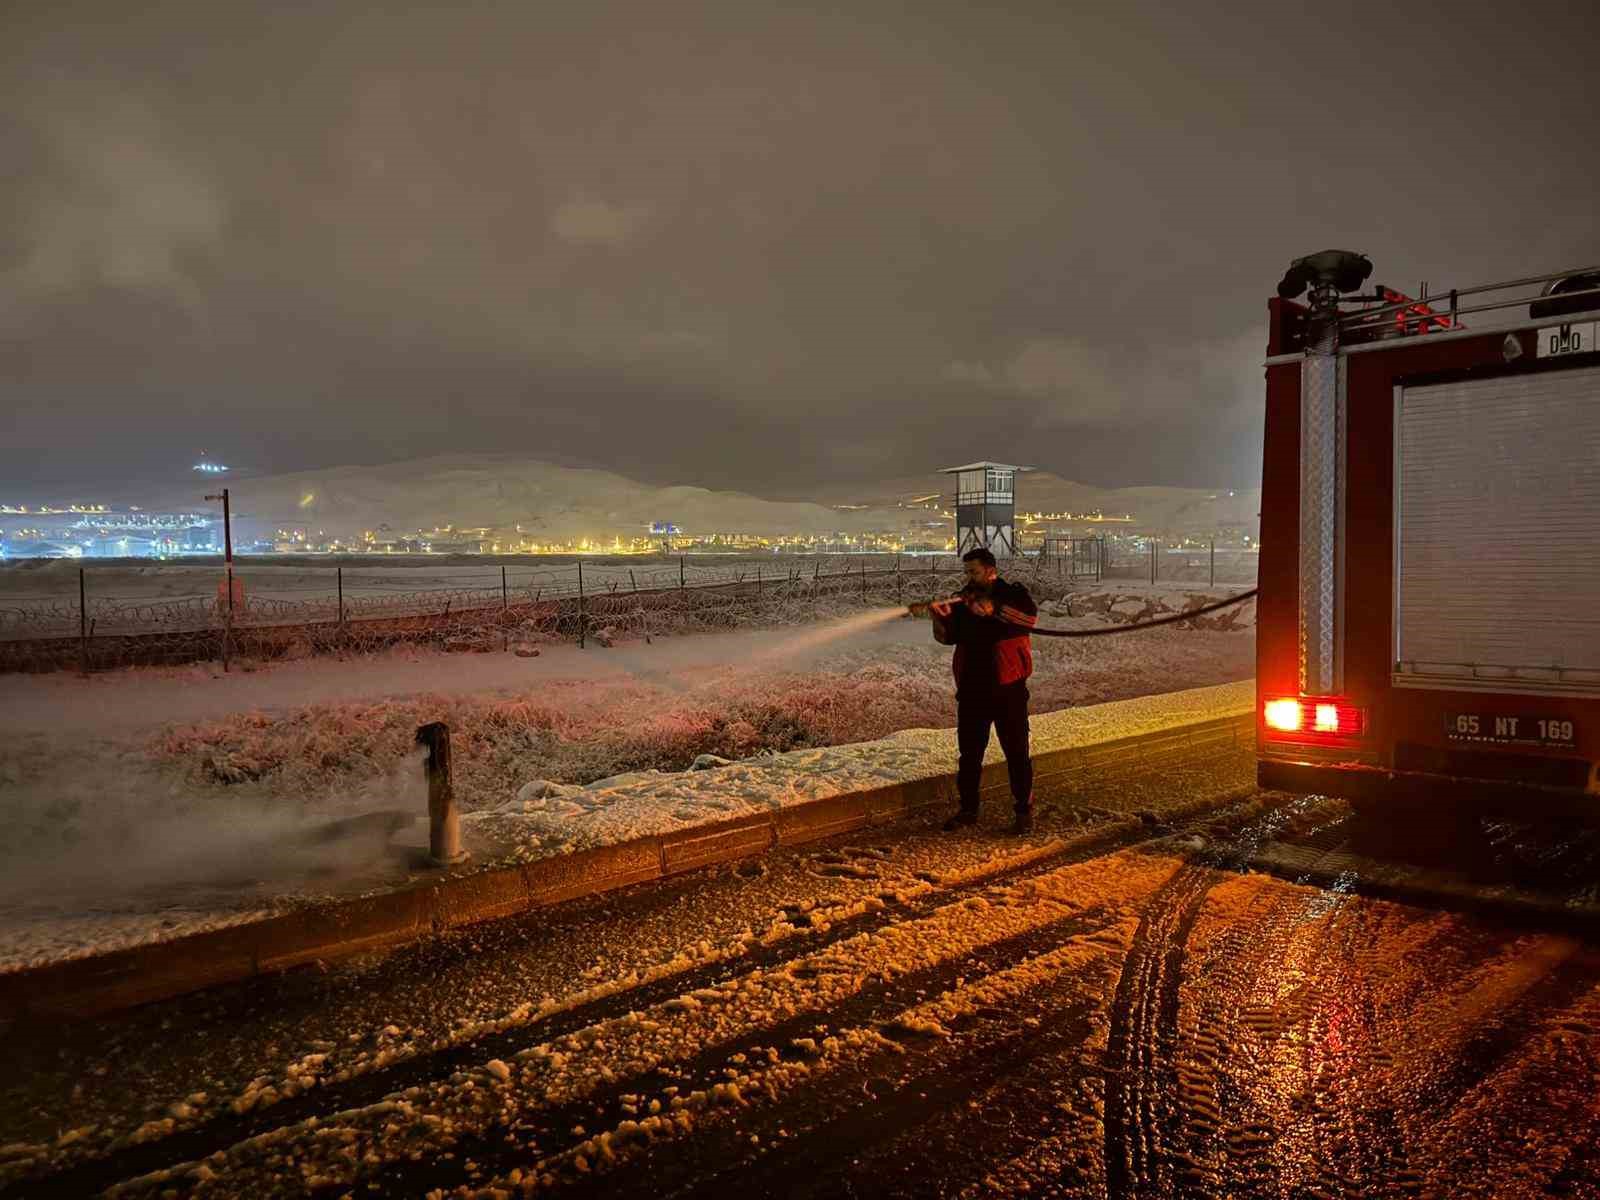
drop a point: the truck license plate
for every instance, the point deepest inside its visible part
(1499, 730)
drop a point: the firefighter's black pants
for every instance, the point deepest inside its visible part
(1006, 708)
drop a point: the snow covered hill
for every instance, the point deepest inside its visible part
(546, 500)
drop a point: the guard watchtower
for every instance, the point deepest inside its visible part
(986, 503)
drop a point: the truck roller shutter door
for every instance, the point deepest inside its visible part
(1497, 528)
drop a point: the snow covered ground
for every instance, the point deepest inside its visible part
(150, 802)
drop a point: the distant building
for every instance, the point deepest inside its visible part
(985, 504)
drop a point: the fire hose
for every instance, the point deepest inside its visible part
(923, 608)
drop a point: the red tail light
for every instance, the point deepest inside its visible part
(1312, 718)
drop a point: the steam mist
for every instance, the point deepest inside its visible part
(125, 834)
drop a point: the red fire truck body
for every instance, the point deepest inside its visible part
(1429, 614)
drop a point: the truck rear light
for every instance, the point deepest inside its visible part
(1282, 715)
(1314, 718)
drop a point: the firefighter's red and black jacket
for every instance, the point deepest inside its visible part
(991, 651)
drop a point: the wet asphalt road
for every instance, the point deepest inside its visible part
(1178, 987)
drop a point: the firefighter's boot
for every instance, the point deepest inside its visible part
(962, 819)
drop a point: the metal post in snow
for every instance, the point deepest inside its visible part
(444, 824)
(83, 625)
(227, 541)
(1152, 560)
(1213, 562)
(339, 577)
(582, 610)
(505, 611)
(680, 573)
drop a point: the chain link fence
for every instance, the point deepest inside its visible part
(1150, 559)
(285, 613)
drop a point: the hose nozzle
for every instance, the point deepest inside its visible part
(924, 608)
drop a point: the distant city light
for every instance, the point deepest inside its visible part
(209, 468)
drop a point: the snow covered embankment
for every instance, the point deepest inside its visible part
(547, 818)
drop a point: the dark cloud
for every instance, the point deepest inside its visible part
(736, 244)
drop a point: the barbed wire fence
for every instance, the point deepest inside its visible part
(502, 609)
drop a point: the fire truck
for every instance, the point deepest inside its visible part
(1428, 629)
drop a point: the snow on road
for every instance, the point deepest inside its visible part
(1143, 1021)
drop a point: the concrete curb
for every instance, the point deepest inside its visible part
(103, 983)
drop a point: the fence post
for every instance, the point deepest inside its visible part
(758, 587)
(1152, 560)
(1213, 562)
(339, 579)
(863, 581)
(227, 541)
(644, 615)
(83, 625)
(1100, 559)
(582, 610)
(505, 611)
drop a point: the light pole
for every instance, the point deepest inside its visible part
(227, 543)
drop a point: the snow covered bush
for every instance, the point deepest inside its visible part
(575, 731)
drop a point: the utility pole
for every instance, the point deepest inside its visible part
(227, 543)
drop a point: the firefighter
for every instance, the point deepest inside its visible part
(992, 662)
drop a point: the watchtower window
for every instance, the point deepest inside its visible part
(998, 481)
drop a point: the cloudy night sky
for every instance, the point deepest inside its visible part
(737, 244)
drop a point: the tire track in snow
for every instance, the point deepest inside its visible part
(1550, 1147)
(1276, 1080)
(486, 1118)
(1140, 1066)
(1214, 1137)
(1142, 1088)
(1570, 973)
(221, 1132)
(561, 1129)
(861, 1107)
